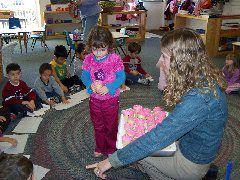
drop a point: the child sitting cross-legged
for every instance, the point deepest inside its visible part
(61, 73)
(132, 66)
(232, 74)
(80, 54)
(17, 96)
(47, 87)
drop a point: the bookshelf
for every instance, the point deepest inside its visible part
(213, 30)
(140, 26)
(58, 21)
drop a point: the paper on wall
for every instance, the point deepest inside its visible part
(28, 125)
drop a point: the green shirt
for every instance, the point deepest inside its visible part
(61, 70)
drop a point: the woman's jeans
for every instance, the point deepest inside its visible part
(87, 24)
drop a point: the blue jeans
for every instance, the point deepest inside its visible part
(21, 110)
(87, 24)
(53, 94)
(132, 78)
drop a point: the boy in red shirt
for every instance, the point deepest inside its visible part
(17, 96)
(132, 66)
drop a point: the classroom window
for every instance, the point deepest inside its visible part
(26, 10)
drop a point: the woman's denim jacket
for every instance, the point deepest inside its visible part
(197, 122)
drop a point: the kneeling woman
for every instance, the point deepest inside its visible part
(195, 88)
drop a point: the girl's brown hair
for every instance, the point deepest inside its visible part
(231, 68)
(100, 37)
(190, 66)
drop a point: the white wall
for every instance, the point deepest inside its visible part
(232, 8)
(155, 16)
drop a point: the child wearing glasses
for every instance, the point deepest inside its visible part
(103, 74)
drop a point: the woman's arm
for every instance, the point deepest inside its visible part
(186, 116)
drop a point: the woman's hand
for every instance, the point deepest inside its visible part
(2, 119)
(100, 168)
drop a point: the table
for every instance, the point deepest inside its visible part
(23, 31)
(236, 50)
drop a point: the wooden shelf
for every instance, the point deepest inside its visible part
(141, 24)
(61, 27)
(119, 27)
(126, 12)
(55, 12)
(60, 24)
(56, 37)
(213, 31)
(230, 32)
(192, 17)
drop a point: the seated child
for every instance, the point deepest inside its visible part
(232, 74)
(80, 54)
(60, 71)
(132, 65)
(47, 88)
(15, 166)
(4, 121)
(17, 96)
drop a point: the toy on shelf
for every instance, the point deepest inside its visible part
(48, 7)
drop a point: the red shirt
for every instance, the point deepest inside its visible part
(133, 64)
(13, 95)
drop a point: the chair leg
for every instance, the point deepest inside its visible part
(118, 51)
(34, 43)
(72, 59)
(123, 51)
(69, 52)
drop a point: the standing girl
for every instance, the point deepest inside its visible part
(103, 74)
(232, 74)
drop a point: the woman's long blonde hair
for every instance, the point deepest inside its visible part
(190, 66)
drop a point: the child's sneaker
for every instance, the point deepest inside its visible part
(71, 90)
(13, 116)
(144, 81)
(77, 88)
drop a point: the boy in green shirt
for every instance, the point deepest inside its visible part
(60, 71)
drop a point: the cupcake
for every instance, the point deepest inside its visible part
(127, 113)
(137, 108)
(126, 139)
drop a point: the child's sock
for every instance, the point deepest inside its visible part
(143, 81)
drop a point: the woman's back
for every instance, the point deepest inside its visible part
(208, 114)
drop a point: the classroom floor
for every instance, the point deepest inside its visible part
(64, 142)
